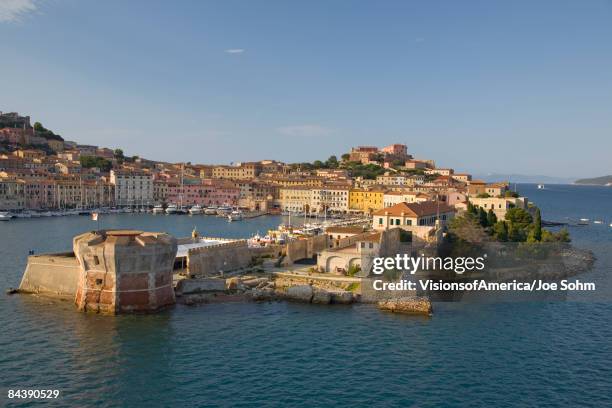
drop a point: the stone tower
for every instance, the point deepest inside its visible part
(123, 271)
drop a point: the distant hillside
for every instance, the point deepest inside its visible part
(599, 181)
(523, 178)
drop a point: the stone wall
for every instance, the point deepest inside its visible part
(216, 259)
(52, 274)
(305, 248)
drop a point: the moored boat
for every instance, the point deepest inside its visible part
(171, 209)
(195, 210)
(5, 216)
(235, 216)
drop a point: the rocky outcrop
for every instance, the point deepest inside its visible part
(321, 297)
(189, 286)
(299, 293)
(342, 297)
(412, 305)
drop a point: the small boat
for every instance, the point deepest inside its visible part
(171, 209)
(234, 216)
(224, 210)
(195, 210)
(5, 216)
(583, 221)
(158, 209)
(212, 210)
(541, 187)
(597, 222)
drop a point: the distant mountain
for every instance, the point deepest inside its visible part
(599, 181)
(523, 178)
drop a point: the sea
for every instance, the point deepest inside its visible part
(467, 354)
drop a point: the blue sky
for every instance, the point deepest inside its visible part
(482, 86)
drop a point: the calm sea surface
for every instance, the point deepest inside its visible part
(283, 354)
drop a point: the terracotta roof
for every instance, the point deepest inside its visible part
(416, 209)
(344, 230)
(374, 237)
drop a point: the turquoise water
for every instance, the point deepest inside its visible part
(283, 354)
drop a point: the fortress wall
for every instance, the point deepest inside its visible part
(52, 274)
(214, 259)
(305, 248)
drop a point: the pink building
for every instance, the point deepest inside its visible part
(210, 192)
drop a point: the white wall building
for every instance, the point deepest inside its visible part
(132, 188)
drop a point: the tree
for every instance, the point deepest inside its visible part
(519, 217)
(500, 231)
(491, 218)
(519, 224)
(332, 162)
(318, 164)
(561, 236)
(471, 209)
(466, 228)
(537, 226)
(345, 157)
(118, 153)
(94, 161)
(482, 217)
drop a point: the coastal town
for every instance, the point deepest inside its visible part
(341, 215)
(41, 174)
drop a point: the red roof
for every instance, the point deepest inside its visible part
(422, 209)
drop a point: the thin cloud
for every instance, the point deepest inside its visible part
(12, 11)
(235, 51)
(304, 131)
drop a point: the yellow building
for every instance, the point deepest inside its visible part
(366, 201)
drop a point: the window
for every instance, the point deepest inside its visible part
(363, 244)
(408, 222)
(96, 260)
(371, 245)
(380, 221)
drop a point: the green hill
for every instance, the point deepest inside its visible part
(599, 181)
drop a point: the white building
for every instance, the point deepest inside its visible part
(392, 198)
(132, 188)
(333, 199)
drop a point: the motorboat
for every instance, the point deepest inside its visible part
(195, 210)
(212, 210)
(583, 221)
(235, 216)
(541, 187)
(5, 216)
(597, 222)
(171, 209)
(158, 209)
(224, 210)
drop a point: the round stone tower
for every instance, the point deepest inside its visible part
(124, 271)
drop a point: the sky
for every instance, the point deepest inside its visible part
(481, 86)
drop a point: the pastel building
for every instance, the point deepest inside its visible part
(420, 219)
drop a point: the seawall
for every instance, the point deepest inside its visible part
(51, 274)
